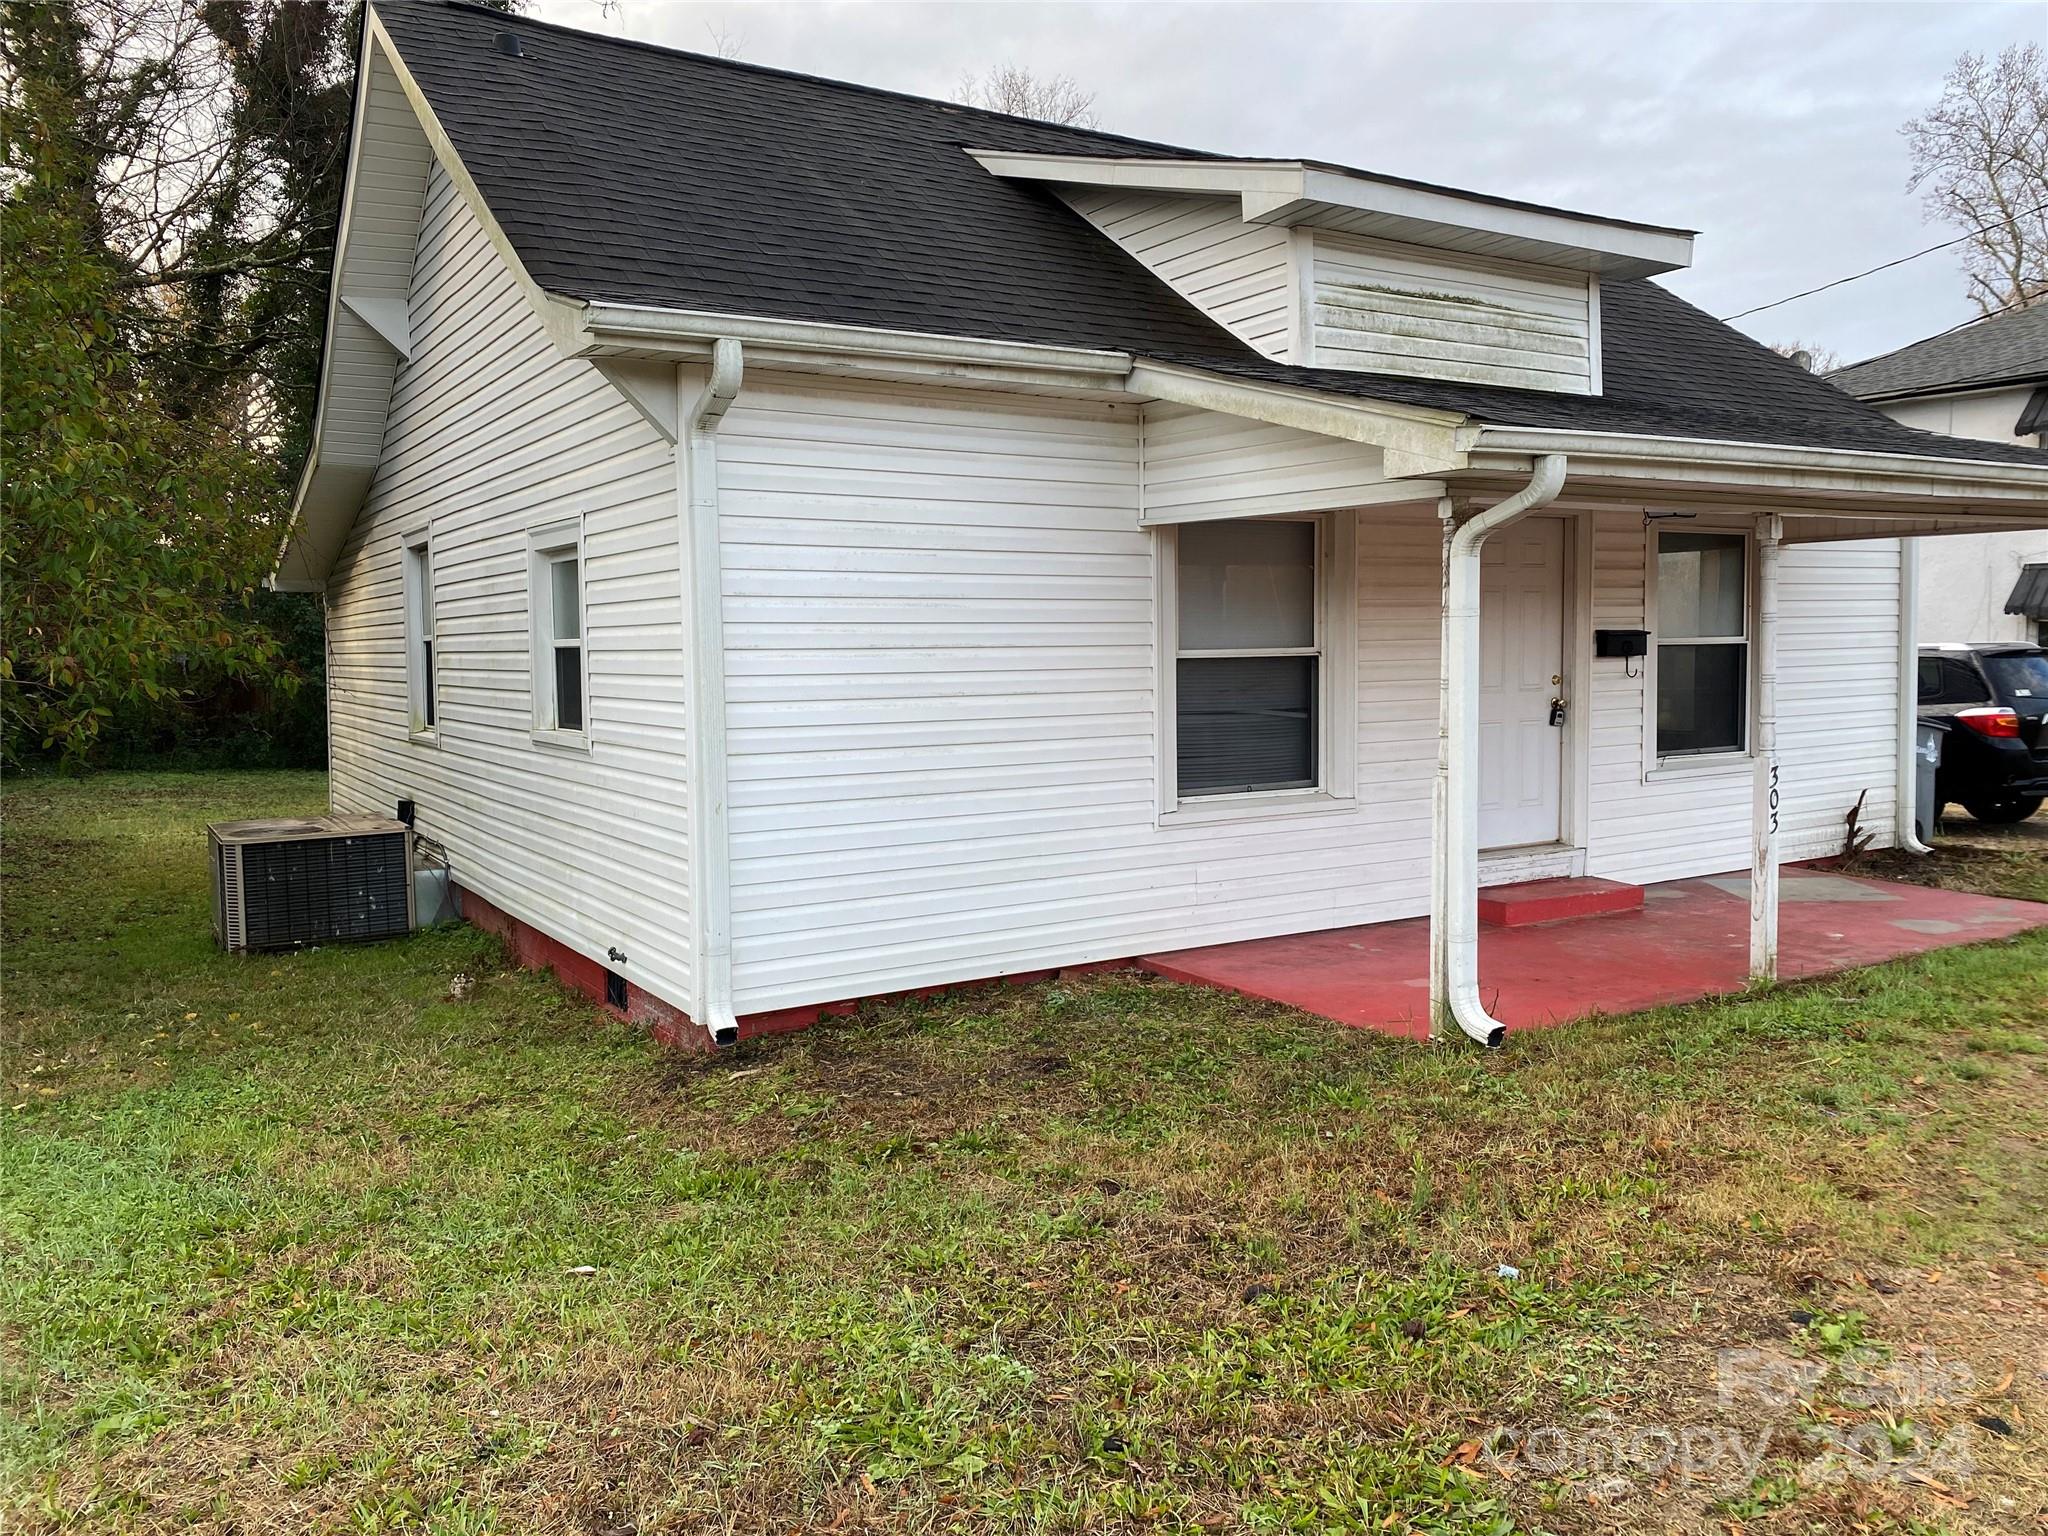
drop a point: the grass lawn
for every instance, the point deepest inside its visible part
(303, 1243)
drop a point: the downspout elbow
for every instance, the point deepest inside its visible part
(728, 369)
(1544, 484)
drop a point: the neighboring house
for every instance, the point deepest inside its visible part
(1989, 381)
(795, 542)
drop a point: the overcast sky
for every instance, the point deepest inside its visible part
(1771, 129)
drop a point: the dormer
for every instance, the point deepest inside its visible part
(1323, 267)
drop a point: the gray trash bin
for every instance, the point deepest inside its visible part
(1926, 761)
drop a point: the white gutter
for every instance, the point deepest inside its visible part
(710, 821)
(1907, 796)
(1593, 450)
(1454, 886)
(601, 325)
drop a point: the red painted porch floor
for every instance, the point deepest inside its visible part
(1690, 939)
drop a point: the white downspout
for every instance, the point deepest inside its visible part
(710, 845)
(1764, 804)
(1454, 884)
(1909, 698)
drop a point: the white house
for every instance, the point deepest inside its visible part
(795, 542)
(1988, 381)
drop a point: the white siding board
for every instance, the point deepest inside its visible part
(959, 779)
(1838, 691)
(1385, 308)
(1238, 274)
(491, 433)
(1196, 463)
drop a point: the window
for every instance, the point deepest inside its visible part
(419, 637)
(2019, 675)
(1702, 643)
(1248, 658)
(556, 579)
(1951, 680)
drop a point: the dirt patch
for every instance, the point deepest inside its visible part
(1901, 1394)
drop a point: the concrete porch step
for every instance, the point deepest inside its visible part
(1550, 901)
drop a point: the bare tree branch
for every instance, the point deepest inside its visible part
(1980, 160)
(1015, 90)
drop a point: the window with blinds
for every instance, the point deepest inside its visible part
(1248, 657)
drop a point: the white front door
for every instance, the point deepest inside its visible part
(1521, 671)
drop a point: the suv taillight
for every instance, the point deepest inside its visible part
(1990, 722)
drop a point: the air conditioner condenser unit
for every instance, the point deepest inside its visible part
(294, 883)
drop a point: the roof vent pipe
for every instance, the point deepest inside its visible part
(509, 45)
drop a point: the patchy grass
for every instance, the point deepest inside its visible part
(300, 1243)
(1970, 855)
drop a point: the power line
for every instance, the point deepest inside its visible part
(1887, 265)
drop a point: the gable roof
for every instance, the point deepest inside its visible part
(621, 172)
(2011, 348)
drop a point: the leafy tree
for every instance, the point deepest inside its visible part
(131, 535)
(177, 170)
(1980, 158)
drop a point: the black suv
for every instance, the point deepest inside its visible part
(1994, 760)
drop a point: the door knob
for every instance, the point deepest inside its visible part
(1557, 711)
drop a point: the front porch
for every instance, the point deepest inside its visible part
(1689, 939)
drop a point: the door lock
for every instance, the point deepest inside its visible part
(1557, 711)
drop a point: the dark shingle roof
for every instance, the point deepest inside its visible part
(2011, 348)
(635, 174)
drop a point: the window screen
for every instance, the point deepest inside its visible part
(1247, 670)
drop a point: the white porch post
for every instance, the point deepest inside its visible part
(1763, 862)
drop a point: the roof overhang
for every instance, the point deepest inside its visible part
(368, 324)
(1951, 389)
(1414, 441)
(1291, 192)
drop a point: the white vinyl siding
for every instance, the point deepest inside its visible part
(1385, 308)
(1238, 274)
(1838, 691)
(943, 676)
(944, 664)
(944, 713)
(1199, 465)
(491, 434)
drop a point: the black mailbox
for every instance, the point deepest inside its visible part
(1621, 642)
